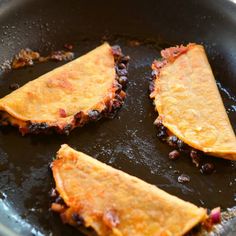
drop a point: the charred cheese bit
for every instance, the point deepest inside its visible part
(189, 103)
(114, 203)
(66, 95)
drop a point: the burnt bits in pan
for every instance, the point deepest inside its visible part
(28, 57)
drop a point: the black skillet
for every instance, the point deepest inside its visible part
(128, 142)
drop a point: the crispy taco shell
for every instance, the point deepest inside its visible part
(188, 101)
(115, 203)
(84, 89)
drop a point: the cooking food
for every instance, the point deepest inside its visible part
(82, 90)
(112, 202)
(189, 104)
(27, 57)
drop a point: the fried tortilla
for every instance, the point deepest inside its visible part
(85, 89)
(114, 203)
(188, 101)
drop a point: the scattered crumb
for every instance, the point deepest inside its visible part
(207, 168)
(183, 178)
(14, 86)
(25, 57)
(28, 57)
(68, 46)
(134, 43)
(62, 56)
(173, 155)
(195, 157)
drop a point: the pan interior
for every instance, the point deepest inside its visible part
(128, 142)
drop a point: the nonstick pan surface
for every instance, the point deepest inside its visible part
(127, 142)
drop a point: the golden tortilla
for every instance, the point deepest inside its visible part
(189, 103)
(114, 203)
(85, 84)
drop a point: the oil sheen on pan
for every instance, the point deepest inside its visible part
(131, 143)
